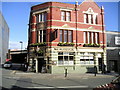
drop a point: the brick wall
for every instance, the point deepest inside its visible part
(54, 13)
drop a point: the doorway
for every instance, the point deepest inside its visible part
(41, 63)
(100, 64)
(114, 65)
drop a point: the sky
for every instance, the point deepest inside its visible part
(17, 14)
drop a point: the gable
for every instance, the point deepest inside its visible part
(85, 5)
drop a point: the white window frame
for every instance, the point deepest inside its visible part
(85, 56)
(92, 36)
(90, 12)
(41, 17)
(88, 35)
(68, 62)
(39, 39)
(84, 37)
(67, 16)
(85, 18)
(63, 15)
(96, 38)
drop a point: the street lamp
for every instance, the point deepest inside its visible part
(21, 45)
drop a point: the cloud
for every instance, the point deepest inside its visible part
(17, 45)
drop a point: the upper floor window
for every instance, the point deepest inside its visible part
(65, 15)
(41, 36)
(91, 37)
(90, 17)
(41, 17)
(66, 36)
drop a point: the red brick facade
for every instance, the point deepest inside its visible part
(54, 19)
(67, 34)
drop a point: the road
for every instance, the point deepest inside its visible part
(16, 80)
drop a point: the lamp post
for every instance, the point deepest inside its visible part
(21, 45)
(21, 50)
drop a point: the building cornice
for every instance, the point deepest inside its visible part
(85, 29)
(112, 32)
(40, 10)
(77, 22)
(113, 48)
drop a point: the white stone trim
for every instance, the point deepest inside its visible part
(77, 22)
(90, 11)
(112, 48)
(84, 37)
(65, 9)
(57, 27)
(88, 35)
(33, 30)
(40, 11)
(96, 38)
(112, 32)
(92, 37)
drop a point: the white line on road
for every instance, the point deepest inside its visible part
(61, 87)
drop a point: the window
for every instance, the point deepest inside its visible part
(41, 17)
(91, 37)
(65, 15)
(66, 36)
(65, 58)
(86, 58)
(70, 36)
(41, 36)
(90, 18)
(61, 37)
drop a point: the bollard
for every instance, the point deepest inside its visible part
(65, 72)
(95, 70)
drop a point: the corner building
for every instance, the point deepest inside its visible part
(66, 36)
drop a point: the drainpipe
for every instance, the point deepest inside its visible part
(76, 21)
(76, 5)
(103, 30)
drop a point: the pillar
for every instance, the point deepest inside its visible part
(36, 65)
(95, 59)
(33, 29)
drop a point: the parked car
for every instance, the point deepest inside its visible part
(7, 64)
(114, 85)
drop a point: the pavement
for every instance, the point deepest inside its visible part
(69, 75)
(19, 80)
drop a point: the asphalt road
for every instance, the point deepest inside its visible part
(15, 80)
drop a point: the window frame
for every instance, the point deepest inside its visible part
(65, 15)
(41, 35)
(68, 61)
(91, 37)
(85, 59)
(41, 17)
(62, 33)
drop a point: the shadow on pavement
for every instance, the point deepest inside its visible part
(20, 88)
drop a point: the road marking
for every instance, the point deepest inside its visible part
(11, 77)
(61, 87)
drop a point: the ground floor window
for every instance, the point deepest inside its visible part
(65, 58)
(86, 61)
(86, 58)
